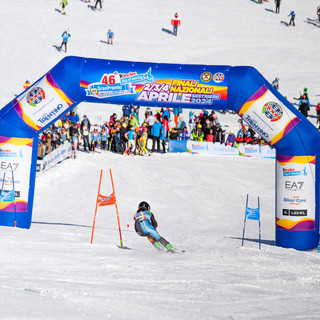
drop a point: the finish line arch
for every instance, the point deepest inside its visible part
(241, 89)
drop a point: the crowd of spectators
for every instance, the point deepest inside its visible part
(126, 135)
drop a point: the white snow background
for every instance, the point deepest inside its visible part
(51, 271)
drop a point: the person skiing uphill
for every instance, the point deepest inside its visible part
(65, 37)
(292, 16)
(145, 226)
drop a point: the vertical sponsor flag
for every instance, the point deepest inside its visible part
(106, 201)
(252, 214)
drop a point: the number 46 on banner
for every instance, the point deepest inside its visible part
(106, 201)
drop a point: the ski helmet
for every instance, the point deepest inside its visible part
(145, 205)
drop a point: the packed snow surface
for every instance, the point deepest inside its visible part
(53, 272)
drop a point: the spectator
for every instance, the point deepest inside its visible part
(184, 135)
(231, 139)
(210, 136)
(74, 117)
(197, 133)
(126, 111)
(155, 133)
(239, 138)
(103, 137)
(122, 138)
(85, 132)
(177, 112)
(158, 115)
(131, 136)
(48, 143)
(64, 135)
(318, 112)
(41, 150)
(133, 120)
(150, 121)
(142, 141)
(248, 137)
(94, 139)
(304, 105)
(174, 134)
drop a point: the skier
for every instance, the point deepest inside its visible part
(292, 15)
(65, 37)
(110, 36)
(64, 4)
(277, 2)
(175, 23)
(275, 83)
(98, 1)
(145, 226)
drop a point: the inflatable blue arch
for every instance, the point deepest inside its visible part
(241, 89)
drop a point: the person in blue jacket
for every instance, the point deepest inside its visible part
(110, 36)
(155, 133)
(146, 225)
(65, 37)
(292, 16)
(126, 111)
(74, 117)
(103, 137)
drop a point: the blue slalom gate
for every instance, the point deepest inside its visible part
(252, 214)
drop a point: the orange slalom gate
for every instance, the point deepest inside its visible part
(106, 201)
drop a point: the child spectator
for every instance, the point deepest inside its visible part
(239, 138)
(103, 137)
(184, 135)
(131, 142)
(64, 135)
(94, 139)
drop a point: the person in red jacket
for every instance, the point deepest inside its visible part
(175, 23)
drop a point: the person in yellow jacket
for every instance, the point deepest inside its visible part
(197, 133)
(142, 142)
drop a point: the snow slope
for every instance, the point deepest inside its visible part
(53, 272)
